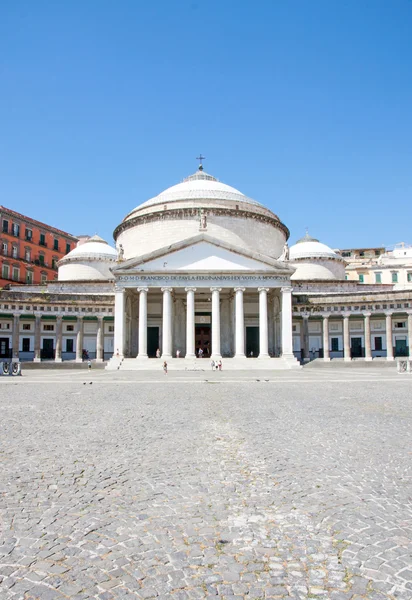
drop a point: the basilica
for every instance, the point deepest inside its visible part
(203, 271)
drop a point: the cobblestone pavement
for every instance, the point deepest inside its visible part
(297, 487)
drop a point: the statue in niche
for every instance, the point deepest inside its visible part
(285, 253)
(202, 220)
(120, 252)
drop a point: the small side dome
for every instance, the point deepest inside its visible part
(314, 261)
(91, 260)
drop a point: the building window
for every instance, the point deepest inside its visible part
(5, 226)
(27, 255)
(41, 259)
(5, 249)
(67, 248)
(361, 253)
(69, 345)
(378, 343)
(26, 326)
(16, 274)
(43, 278)
(25, 346)
(378, 277)
(29, 235)
(5, 271)
(394, 276)
(47, 327)
(56, 245)
(14, 252)
(69, 327)
(361, 278)
(346, 277)
(42, 240)
(15, 229)
(345, 253)
(400, 325)
(29, 277)
(335, 344)
(377, 252)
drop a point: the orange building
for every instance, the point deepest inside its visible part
(30, 250)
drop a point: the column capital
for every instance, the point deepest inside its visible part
(190, 289)
(80, 317)
(367, 314)
(239, 289)
(119, 290)
(59, 317)
(346, 315)
(167, 289)
(388, 313)
(143, 290)
(325, 316)
(215, 289)
(286, 289)
(263, 289)
(16, 315)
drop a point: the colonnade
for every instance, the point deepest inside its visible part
(367, 336)
(167, 341)
(58, 335)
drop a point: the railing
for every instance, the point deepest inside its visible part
(404, 365)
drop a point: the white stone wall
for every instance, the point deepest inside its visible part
(239, 231)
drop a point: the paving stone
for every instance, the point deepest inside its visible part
(142, 489)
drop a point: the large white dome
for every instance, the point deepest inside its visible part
(227, 215)
(200, 186)
(88, 261)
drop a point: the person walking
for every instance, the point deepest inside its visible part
(89, 364)
(220, 365)
(212, 364)
(165, 367)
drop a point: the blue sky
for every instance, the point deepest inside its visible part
(304, 105)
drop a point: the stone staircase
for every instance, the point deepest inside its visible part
(202, 364)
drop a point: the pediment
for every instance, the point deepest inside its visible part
(202, 253)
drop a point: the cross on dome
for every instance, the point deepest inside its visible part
(200, 158)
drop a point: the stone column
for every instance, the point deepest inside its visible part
(346, 339)
(37, 339)
(167, 323)
(216, 322)
(79, 340)
(59, 338)
(326, 353)
(389, 346)
(142, 322)
(239, 324)
(287, 332)
(100, 340)
(368, 350)
(190, 322)
(410, 334)
(16, 336)
(263, 323)
(119, 321)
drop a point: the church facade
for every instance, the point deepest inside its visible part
(202, 271)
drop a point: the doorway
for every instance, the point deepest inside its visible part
(356, 347)
(47, 351)
(5, 348)
(401, 348)
(152, 341)
(203, 340)
(252, 342)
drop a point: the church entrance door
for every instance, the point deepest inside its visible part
(252, 342)
(203, 339)
(152, 341)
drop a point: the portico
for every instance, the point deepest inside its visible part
(207, 313)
